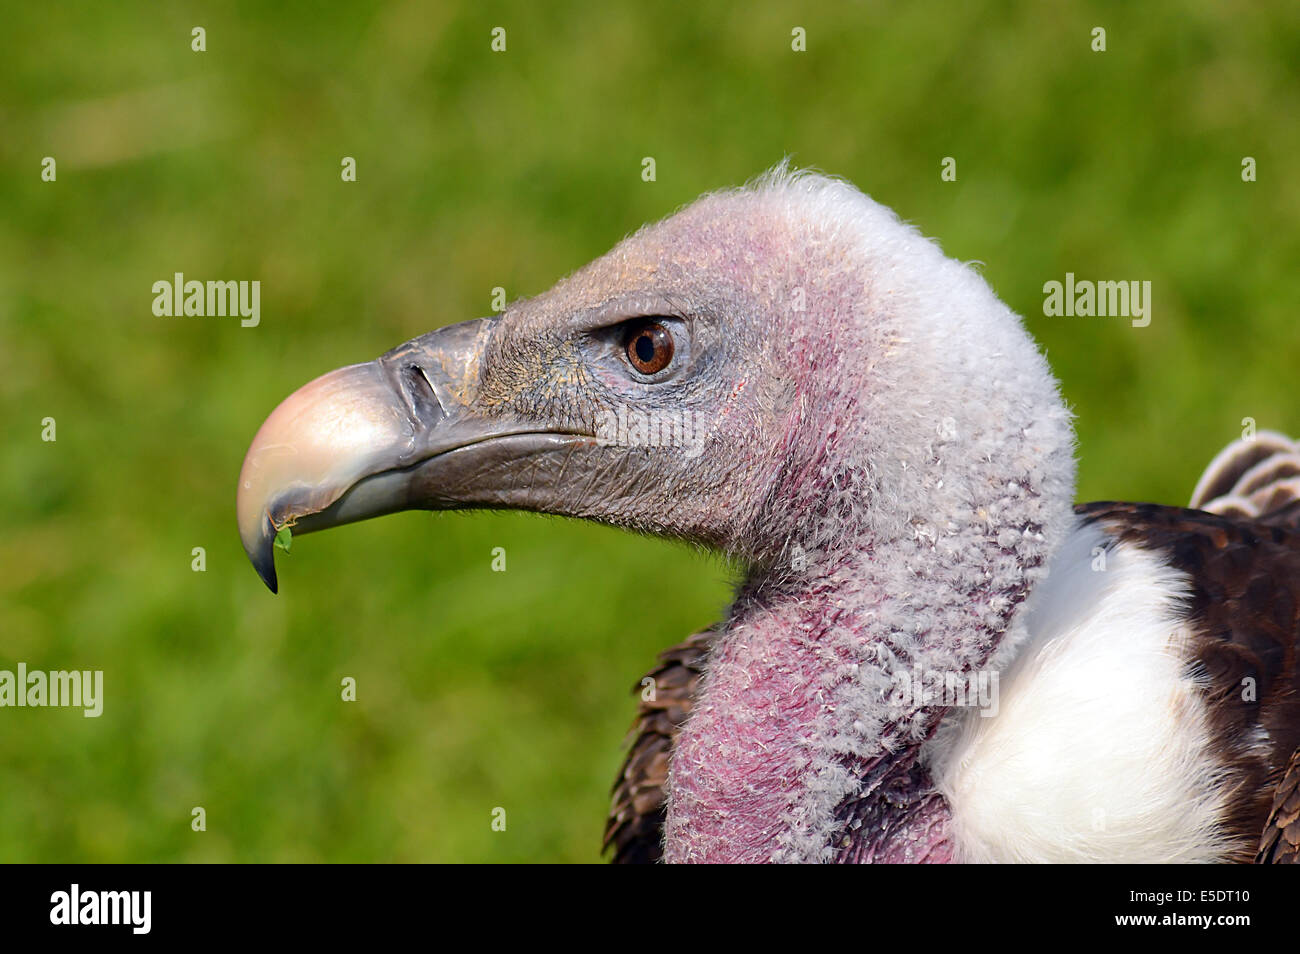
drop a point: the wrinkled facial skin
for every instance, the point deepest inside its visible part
(718, 411)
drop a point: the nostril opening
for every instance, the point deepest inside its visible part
(419, 391)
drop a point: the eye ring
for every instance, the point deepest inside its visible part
(649, 347)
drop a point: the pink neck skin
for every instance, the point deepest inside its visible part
(757, 769)
(738, 764)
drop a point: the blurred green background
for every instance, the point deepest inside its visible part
(479, 169)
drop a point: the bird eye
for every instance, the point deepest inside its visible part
(649, 347)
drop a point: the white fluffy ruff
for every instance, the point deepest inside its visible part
(937, 418)
(1100, 750)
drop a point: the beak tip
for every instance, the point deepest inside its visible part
(261, 553)
(268, 577)
(264, 564)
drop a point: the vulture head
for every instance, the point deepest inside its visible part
(785, 373)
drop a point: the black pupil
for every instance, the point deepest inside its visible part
(645, 347)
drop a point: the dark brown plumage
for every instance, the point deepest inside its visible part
(1281, 841)
(635, 826)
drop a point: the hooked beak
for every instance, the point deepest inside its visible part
(398, 433)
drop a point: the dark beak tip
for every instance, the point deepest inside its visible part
(268, 577)
(262, 556)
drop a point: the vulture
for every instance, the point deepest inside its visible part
(933, 655)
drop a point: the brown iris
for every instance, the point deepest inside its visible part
(649, 347)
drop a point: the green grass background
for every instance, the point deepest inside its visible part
(481, 689)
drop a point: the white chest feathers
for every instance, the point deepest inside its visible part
(1098, 751)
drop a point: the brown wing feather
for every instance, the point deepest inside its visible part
(636, 815)
(1256, 478)
(1245, 610)
(1281, 842)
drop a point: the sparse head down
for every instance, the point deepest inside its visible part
(871, 432)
